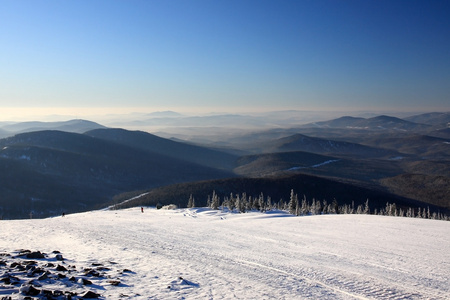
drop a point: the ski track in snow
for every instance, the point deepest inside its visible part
(205, 254)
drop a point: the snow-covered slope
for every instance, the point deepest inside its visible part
(205, 254)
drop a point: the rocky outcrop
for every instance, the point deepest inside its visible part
(26, 274)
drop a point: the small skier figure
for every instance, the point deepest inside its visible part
(142, 209)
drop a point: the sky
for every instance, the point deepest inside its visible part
(81, 57)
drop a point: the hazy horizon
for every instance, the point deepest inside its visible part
(112, 114)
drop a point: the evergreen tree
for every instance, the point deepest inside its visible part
(291, 204)
(366, 207)
(231, 202)
(359, 210)
(238, 203)
(304, 210)
(318, 208)
(325, 207)
(261, 203)
(214, 201)
(335, 206)
(191, 202)
(269, 203)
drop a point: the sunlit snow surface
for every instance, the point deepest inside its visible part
(248, 256)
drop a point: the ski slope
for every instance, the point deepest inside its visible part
(205, 254)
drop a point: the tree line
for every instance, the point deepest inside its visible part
(243, 203)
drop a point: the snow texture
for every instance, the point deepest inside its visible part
(206, 254)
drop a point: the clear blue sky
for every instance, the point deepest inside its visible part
(226, 55)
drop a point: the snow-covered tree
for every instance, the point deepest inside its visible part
(215, 201)
(292, 202)
(366, 207)
(191, 202)
(261, 203)
(305, 207)
(269, 203)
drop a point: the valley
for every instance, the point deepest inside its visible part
(78, 165)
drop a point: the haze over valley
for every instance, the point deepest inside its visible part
(77, 165)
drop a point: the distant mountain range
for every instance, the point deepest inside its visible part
(78, 165)
(376, 123)
(78, 126)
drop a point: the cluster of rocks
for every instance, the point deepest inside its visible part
(29, 275)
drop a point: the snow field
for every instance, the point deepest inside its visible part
(205, 254)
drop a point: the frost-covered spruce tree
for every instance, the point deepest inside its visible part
(305, 209)
(325, 207)
(334, 206)
(359, 210)
(237, 202)
(312, 208)
(214, 201)
(419, 214)
(291, 204)
(261, 203)
(231, 202)
(318, 207)
(366, 207)
(249, 204)
(269, 203)
(191, 202)
(280, 204)
(243, 203)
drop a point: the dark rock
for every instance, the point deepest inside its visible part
(59, 257)
(35, 255)
(33, 291)
(44, 276)
(61, 268)
(9, 279)
(38, 271)
(29, 290)
(49, 265)
(90, 295)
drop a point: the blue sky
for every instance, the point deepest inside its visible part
(225, 55)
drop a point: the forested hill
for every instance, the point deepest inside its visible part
(277, 188)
